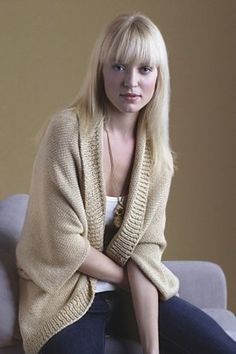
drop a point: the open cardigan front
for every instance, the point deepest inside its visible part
(65, 216)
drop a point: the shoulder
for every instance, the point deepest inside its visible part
(64, 121)
(61, 136)
(63, 128)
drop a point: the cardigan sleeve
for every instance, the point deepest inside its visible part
(54, 241)
(148, 252)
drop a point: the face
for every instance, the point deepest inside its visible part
(129, 87)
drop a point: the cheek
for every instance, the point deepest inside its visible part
(151, 86)
(109, 89)
(109, 84)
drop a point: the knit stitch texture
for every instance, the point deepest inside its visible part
(65, 216)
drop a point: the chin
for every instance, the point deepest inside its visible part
(131, 109)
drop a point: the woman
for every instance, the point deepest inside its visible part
(94, 229)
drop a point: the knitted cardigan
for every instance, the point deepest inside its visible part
(66, 215)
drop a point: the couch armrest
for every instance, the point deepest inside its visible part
(201, 283)
(12, 214)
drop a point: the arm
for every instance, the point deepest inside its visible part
(145, 301)
(54, 245)
(101, 267)
(145, 244)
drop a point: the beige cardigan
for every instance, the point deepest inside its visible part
(66, 215)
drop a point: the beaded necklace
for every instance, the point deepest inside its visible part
(119, 210)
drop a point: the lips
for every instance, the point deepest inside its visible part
(130, 95)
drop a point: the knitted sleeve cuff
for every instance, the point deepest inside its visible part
(146, 257)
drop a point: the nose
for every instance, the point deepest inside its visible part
(131, 78)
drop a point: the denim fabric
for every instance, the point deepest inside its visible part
(85, 336)
(183, 328)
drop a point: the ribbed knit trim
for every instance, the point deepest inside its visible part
(72, 312)
(130, 232)
(121, 247)
(94, 186)
(123, 243)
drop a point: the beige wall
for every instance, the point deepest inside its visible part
(44, 49)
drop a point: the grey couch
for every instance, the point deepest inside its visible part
(202, 283)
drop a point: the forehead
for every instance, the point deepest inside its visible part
(131, 47)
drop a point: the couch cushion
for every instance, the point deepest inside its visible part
(12, 350)
(225, 318)
(195, 286)
(12, 214)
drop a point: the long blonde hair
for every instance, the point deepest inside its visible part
(131, 38)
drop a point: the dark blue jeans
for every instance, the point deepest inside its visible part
(183, 328)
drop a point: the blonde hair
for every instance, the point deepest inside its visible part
(131, 38)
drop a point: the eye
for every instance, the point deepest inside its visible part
(146, 69)
(118, 67)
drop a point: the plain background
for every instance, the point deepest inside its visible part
(44, 50)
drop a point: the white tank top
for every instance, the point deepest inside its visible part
(111, 203)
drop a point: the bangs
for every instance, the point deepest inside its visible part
(132, 46)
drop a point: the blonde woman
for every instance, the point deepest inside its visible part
(94, 230)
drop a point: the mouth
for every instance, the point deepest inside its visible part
(130, 95)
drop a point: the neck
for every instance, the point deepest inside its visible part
(123, 124)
